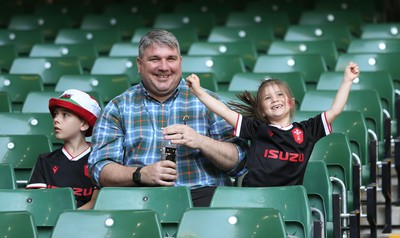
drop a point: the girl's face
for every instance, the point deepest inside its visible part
(275, 104)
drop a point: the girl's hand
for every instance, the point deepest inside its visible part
(351, 72)
(194, 83)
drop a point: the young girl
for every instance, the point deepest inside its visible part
(279, 149)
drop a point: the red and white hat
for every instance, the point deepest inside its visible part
(80, 103)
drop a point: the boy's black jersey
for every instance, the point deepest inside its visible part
(279, 156)
(60, 169)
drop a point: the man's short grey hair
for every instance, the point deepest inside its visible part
(159, 37)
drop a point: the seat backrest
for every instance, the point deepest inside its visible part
(339, 33)
(260, 36)
(8, 54)
(7, 176)
(106, 85)
(22, 151)
(326, 48)
(117, 65)
(16, 224)
(382, 30)
(291, 201)
(5, 102)
(22, 39)
(251, 82)
(374, 46)
(106, 223)
(208, 80)
(49, 68)
(310, 66)
(245, 49)
(293, 9)
(86, 52)
(168, 202)
(220, 9)
(44, 204)
(125, 49)
(232, 222)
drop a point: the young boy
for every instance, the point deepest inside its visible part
(74, 115)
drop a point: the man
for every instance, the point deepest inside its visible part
(129, 135)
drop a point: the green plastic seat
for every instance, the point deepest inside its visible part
(168, 202)
(18, 86)
(28, 124)
(374, 46)
(103, 39)
(124, 49)
(125, 23)
(291, 201)
(380, 31)
(94, 223)
(85, 52)
(202, 22)
(5, 102)
(310, 65)
(293, 8)
(279, 21)
(44, 204)
(117, 65)
(16, 224)
(245, 49)
(339, 33)
(21, 152)
(232, 222)
(38, 102)
(108, 86)
(208, 80)
(7, 176)
(251, 82)
(351, 18)
(326, 48)
(23, 40)
(185, 36)
(49, 24)
(8, 54)
(222, 66)
(260, 36)
(49, 69)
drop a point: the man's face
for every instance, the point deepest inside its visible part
(160, 68)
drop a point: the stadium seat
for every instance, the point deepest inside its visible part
(125, 23)
(232, 222)
(168, 202)
(222, 66)
(326, 48)
(38, 102)
(44, 204)
(49, 69)
(260, 36)
(15, 224)
(351, 18)
(339, 33)
(208, 80)
(293, 8)
(21, 152)
(85, 52)
(380, 31)
(251, 82)
(7, 11)
(27, 124)
(102, 38)
(185, 36)
(23, 40)
(291, 201)
(374, 46)
(48, 24)
(278, 21)
(202, 22)
(245, 49)
(117, 65)
(7, 176)
(309, 65)
(108, 86)
(105, 223)
(124, 49)
(8, 54)
(5, 102)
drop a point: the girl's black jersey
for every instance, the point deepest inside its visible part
(278, 156)
(59, 169)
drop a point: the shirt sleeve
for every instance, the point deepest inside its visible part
(37, 179)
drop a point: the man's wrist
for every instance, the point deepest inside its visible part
(137, 176)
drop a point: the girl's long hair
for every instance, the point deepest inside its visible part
(251, 105)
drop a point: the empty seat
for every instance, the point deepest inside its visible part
(15, 224)
(8, 53)
(7, 176)
(293, 8)
(125, 49)
(219, 9)
(232, 222)
(117, 65)
(116, 223)
(374, 46)
(23, 40)
(5, 102)
(208, 80)
(380, 31)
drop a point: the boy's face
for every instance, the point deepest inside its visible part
(67, 125)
